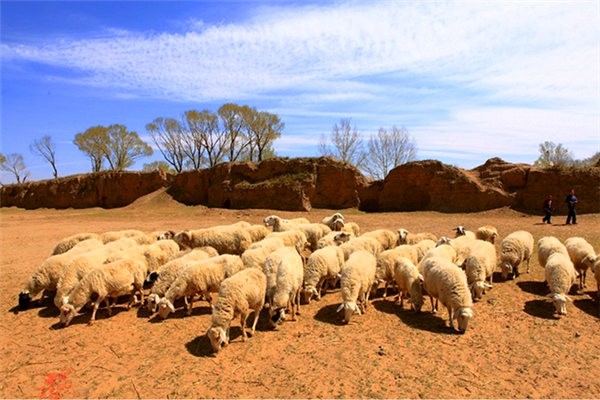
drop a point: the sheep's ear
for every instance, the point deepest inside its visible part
(421, 279)
(340, 308)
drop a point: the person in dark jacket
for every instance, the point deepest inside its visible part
(571, 201)
(548, 208)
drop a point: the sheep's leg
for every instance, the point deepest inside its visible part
(298, 302)
(108, 306)
(243, 318)
(190, 305)
(451, 314)
(433, 307)
(208, 298)
(584, 273)
(256, 314)
(96, 305)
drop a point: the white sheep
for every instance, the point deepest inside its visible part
(423, 247)
(293, 238)
(462, 245)
(288, 285)
(547, 246)
(271, 267)
(154, 254)
(84, 263)
(560, 275)
(343, 226)
(67, 243)
(386, 237)
(322, 265)
(487, 233)
(329, 221)
(356, 282)
(386, 261)
(596, 270)
(160, 280)
(46, 276)
(111, 236)
(443, 250)
(582, 255)
(257, 232)
(461, 231)
(409, 282)
(200, 277)
(226, 240)
(405, 237)
(279, 224)
(108, 281)
(515, 249)
(239, 294)
(446, 282)
(328, 240)
(479, 266)
(256, 255)
(369, 244)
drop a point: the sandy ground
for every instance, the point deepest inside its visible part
(515, 347)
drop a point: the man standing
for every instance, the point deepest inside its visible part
(571, 201)
(548, 208)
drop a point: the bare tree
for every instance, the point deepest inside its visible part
(45, 148)
(553, 155)
(345, 144)
(387, 150)
(204, 132)
(232, 122)
(14, 164)
(167, 135)
(263, 128)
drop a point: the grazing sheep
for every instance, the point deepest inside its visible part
(257, 232)
(160, 280)
(111, 236)
(313, 232)
(322, 265)
(329, 221)
(386, 237)
(154, 254)
(279, 224)
(327, 240)
(561, 276)
(369, 244)
(409, 282)
(515, 249)
(46, 276)
(446, 282)
(226, 240)
(444, 250)
(479, 266)
(547, 246)
(342, 237)
(84, 263)
(423, 247)
(67, 243)
(405, 237)
(107, 281)
(356, 282)
(238, 295)
(462, 245)
(386, 261)
(271, 266)
(487, 233)
(461, 231)
(343, 226)
(582, 255)
(257, 254)
(293, 238)
(288, 284)
(199, 277)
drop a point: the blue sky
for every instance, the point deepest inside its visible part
(469, 80)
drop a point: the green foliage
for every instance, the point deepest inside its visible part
(93, 143)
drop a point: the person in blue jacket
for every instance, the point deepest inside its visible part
(571, 201)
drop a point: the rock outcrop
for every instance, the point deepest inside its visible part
(303, 183)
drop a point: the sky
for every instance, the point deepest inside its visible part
(469, 80)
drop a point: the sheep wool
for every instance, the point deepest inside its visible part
(405, 237)
(356, 282)
(582, 255)
(239, 294)
(67, 243)
(46, 276)
(288, 285)
(515, 249)
(447, 283)
(487, 233)
(560, 276)
(369, 244)
(547, 246)
(200, 277)
(107, 281)
(386, 237)
(422, 247)
(322, 265)
(386, 261)
(409, 282)
(479, 266)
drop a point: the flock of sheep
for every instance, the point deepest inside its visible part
(284, 262)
